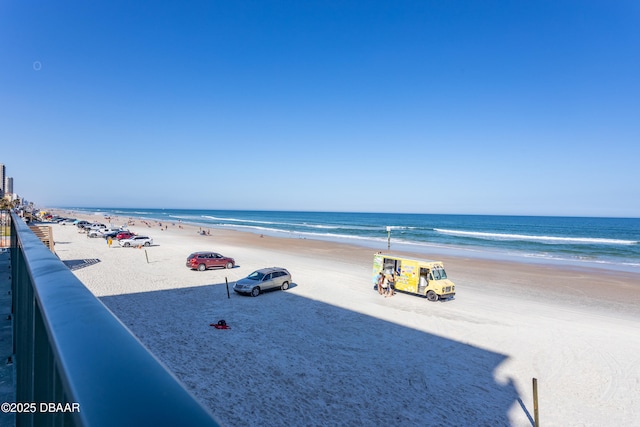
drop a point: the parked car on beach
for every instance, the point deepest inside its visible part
(102, 232)
(96, 226)
(262, 280)
(202, 261)
(136, 241)
(94, 233)
(113, 233)
(124, 235)
(90, 225)
(68, 221)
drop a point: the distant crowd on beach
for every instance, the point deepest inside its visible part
(157, 223)
(173, 224)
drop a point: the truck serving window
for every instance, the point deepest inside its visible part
(391, 265)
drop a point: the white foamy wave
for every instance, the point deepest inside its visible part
(249, 221)
(548, 239)
(215, 218)
(254, 227)
(338, 227)
(320, 226)
(125, 213)
(311, 235)
(291, 224)
(185, 217)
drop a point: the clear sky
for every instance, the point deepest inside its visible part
(496, 107)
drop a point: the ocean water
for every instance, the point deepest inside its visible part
(612, 243)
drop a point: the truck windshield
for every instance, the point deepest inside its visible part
(438, 274)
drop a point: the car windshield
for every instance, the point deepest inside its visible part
(256, 275)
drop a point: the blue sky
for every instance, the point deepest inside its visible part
(479, 107)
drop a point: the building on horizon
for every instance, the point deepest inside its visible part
(8, 185)
(2, 180)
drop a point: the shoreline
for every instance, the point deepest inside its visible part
(424, 249)
(622, 288)
(573, 329)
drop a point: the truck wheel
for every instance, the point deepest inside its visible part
(432, 296)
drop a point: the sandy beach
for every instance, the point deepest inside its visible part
(331, 351)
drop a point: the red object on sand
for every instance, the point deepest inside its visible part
(215, 325)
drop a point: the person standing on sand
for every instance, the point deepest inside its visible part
(379, 282)
(390, 279)
(385, 285)
(109, 242)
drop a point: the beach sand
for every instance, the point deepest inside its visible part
(332, 351)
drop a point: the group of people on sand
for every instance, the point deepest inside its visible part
(386, 282)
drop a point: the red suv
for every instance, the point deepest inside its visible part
(124, 235)
(203, 260)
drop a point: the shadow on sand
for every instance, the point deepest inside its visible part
(77, 264)
(290, 360)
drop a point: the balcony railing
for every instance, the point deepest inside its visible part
(75, 363)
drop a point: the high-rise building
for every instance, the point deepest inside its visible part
(2, 176)
(8, 185)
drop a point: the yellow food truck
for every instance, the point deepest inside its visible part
(422, 277)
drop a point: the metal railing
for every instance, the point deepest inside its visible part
(75, 363)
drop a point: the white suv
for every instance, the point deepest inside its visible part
(136, 241)
(101, 232)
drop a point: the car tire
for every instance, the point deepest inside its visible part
(147, 244)
(229, 265)
(202, 267)
(432, 296)
(255, 291)
(126, 245)
(284, 286)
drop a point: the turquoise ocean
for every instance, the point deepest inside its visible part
(611, 243)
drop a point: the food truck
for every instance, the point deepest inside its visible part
(415, 276)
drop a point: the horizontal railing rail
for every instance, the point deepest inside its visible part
(76, 363)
